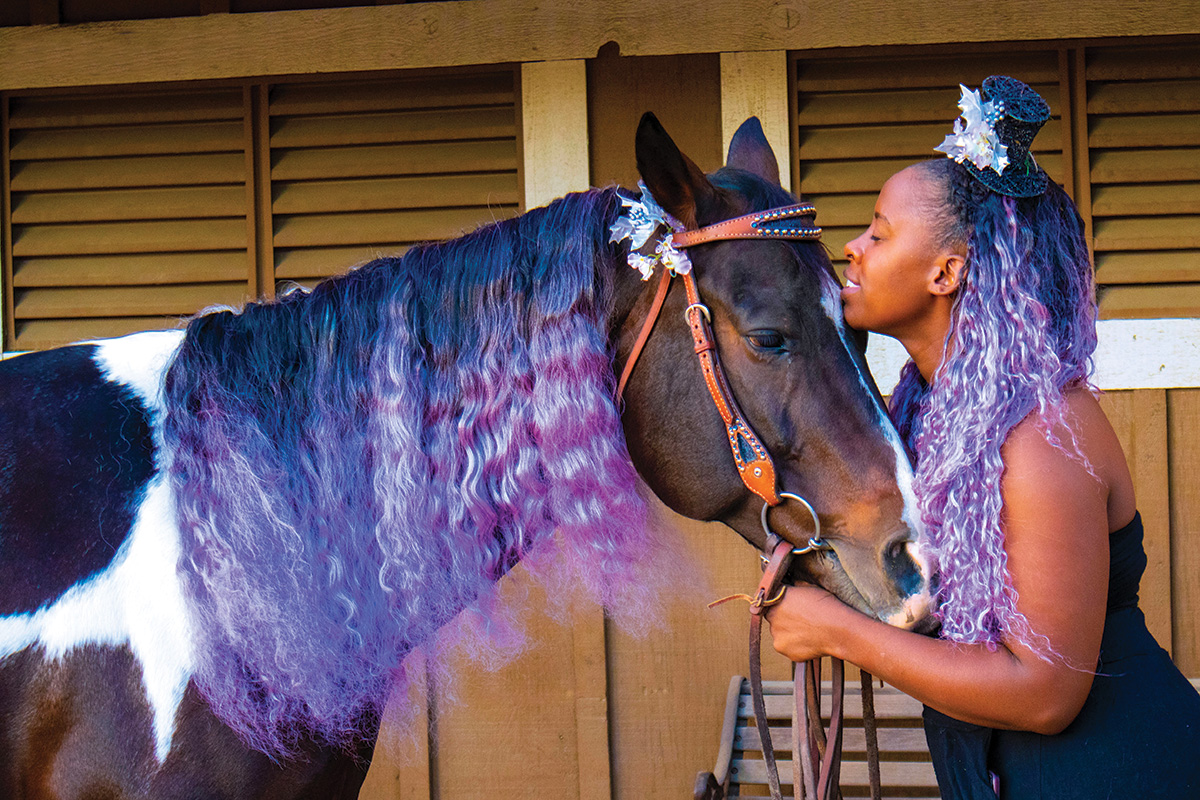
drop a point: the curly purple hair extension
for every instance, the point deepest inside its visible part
(1023, 331)
(356, 465)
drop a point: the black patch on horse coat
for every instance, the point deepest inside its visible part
(76, 452)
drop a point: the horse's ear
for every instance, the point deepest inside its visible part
(676, 183)
(749, 150)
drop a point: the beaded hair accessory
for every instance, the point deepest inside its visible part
(994, 134)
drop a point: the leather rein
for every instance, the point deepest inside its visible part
(816, 755)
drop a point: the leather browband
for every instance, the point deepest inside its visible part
(770, 224)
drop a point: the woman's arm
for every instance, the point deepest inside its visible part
(1056, 529)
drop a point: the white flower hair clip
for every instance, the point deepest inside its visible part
(638, 221)
(975, 138)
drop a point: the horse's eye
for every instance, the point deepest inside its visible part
(766, 340)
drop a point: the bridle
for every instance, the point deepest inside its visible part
(816, 757)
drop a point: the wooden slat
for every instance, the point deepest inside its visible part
(404, 159)
(1144, 97)
(890, 107)
(127, 140)
(320, 230)
(130, 204)
(123, 270)
(1183, 415)
(1144, 62)
(108, 173)
(129, 237)
(888, 705)
(1180, 232)
(916, 774)
(59, 111)
(113, 301)
(1146, 199)
(843, 210)
(400, 768)
(848, 74)
(1161, 130)
(854, 741)
(413, 126)
(869, 175)
(323, 262)
(1148, 166)
(1162, 300)
(341, 97)
(373, 194)
(41, 334)
(913, 141)
(1167, 266)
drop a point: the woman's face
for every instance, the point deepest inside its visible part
(891, 281)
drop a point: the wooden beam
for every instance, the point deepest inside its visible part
(7, 323)
(390, 37)
(554, 131)
(756, 84)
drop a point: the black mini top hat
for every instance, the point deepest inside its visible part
(1017, 113)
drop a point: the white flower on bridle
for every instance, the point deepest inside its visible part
(638, 221)
(974, 138)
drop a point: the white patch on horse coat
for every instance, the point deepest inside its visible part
(138, 599)
(831, 301)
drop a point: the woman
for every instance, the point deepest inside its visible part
(1043, 681)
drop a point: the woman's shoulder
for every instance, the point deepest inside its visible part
(1083, 455)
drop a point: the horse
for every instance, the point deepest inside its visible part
(218, 544)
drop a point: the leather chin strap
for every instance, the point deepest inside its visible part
(816, 757)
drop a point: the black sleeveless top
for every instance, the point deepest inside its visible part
(1138, 734)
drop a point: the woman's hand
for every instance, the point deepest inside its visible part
(805, 623)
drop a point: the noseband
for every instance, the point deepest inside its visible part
(815, 757)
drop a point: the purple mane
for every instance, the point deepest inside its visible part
(1023, 331)
(355, 465)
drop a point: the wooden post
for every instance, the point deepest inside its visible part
(756, 84)
(554, 129)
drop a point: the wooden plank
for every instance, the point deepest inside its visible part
(683, 91)
(1079, 169)
(889, 705)
(1166, 266)
(755, 84)
(324, 41)
(1157, 130)
(133, 108)
(869, 175)
(400, 769)
(260, 221)
(43, 334)
(909, 740)
(374, 194)
(409, 126)
(192, 202)
(1162, 300)
(114, 173)
(126, 301)
(667, 690)
(126, 269)
(1140, 421)
(7, 330)
(894, 107)
(511, 731)
(1146, 166)
(911, 141)
(554, 130)
(1144, 97)
(1174, 232)
(318, 230)
(1183, 407)
(591, 705)
(403, 159)
(129, 237)
(844, 210)
(842, 74)
(1159, 61)
(322, 262)
(915, 774)
(1146, 199)
(478, 88)
(127, 140)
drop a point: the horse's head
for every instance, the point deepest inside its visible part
(797, 373)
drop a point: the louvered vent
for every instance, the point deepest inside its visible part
(365, 169)
(128, 211)
(862, 120)
(1144, 146)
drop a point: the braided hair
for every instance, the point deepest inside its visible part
(1022, 333)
